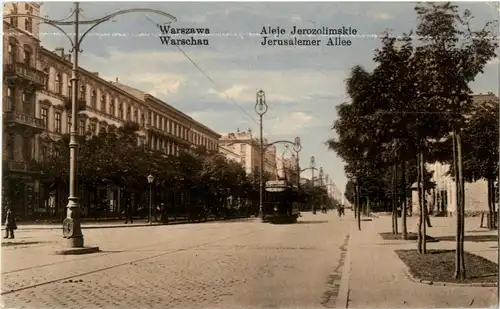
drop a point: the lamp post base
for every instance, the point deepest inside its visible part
(75, 242)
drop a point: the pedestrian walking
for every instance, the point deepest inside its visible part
(10, 223)
(129, 214)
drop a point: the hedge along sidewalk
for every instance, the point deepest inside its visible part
(378, 277)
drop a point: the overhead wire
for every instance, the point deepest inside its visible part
(218, 88)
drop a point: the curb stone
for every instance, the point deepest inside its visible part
(412, 278)
(342, 300)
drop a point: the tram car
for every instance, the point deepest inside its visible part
(282, 202)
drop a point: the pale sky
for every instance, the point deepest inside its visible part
(302, 84)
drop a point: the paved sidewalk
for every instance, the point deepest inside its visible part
(378, 279)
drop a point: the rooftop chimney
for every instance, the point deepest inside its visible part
(67, 57)
(117, 79)
(96, 73)
(59, 51)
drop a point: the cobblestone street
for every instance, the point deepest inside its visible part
(217, 264)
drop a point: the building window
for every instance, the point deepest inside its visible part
(28, 25)
(45, 152)
(10, 146)
(27, 153)
(136, 116)
(59, 83)
(44, 112)
(11, 58)
(112, 107)
(82, 127)
(27, 58)
(10, 99)
(93, 128)
(82, 92)
(14, 20)
(120, 110)
(26, 100)
(127, 115)
(69, 125)
(142, 120)
(93, 99)
(103, 102)
(57, 122)
(70, 90)
(150, 122)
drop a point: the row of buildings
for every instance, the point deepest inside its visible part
(37, 111)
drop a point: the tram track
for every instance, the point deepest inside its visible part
(123, 263)
(100, 254)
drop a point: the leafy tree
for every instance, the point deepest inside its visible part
(452, 55)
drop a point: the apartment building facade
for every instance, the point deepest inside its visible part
(443, 197)
(247, 146)
(37, 111)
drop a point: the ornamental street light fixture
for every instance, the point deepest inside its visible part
(297, 148)
(261, 108)
(312, 165)
(151, 178)
(72, 230)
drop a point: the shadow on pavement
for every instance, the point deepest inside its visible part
(473, 238)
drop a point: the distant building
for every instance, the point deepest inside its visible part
(287, 168)
(443, 197)
(37, 112)
(247, 146)
(229, 154)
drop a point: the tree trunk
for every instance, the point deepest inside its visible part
(423, 200)
(462, 203)
(403, 199)
(419, 192)
(459, 256)
(393, 202)
(491, 204)
(358, 206)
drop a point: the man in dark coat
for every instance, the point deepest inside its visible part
(10, 223)
(129, 214)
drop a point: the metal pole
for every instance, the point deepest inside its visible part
(71, 226)
(298, 170)
(150, 203)
(312, 182)
(261, 193)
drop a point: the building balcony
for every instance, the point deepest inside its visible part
(81, 103)
(20, 166)
(15, 118)
(22, 73)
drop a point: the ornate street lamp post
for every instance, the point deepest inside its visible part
(312, 165)
(297, 148)
(72, 230)
(261, 109)
(151, 178)
(321, 174)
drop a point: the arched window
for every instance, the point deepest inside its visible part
(13, 20)
(58, 83)
(93, 98)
